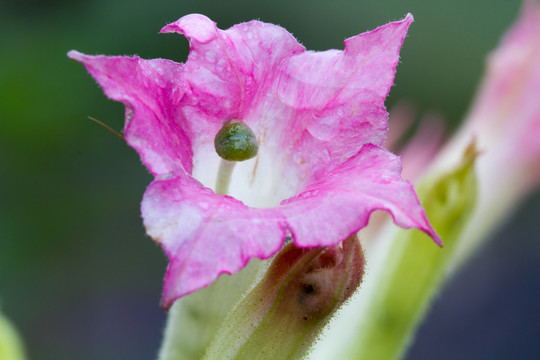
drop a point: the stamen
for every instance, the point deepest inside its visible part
(234, 142)
(224, 176)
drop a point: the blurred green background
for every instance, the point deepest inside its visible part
(78, 276)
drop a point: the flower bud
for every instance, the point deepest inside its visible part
(283, 315)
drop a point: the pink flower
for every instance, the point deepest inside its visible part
(320, 121)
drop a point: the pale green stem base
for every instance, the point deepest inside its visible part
(194, 319)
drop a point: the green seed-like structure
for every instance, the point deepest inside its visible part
(236, 142)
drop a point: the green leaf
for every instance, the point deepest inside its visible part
(283, 315)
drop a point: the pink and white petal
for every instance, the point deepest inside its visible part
(149, 90)
(337, 97)
(204, 234)
(340, 204)
(315, 80)
(228, 70)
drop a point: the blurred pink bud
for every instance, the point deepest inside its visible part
(505, 124)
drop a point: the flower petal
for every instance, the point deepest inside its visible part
(344, 91)
(205, 234)
(148, 90)
(229, 70)
(340, 204)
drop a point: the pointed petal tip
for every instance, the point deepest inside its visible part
(405, 23)
(75, 55)
(409, 18)
(167, 303)
(193, 26)
(81, 57)
(169, 294)
(436, 238)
